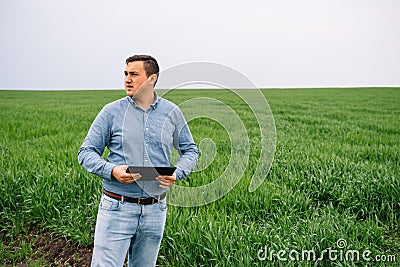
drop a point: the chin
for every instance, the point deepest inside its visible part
(130, 92)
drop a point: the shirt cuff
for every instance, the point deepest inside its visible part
(107, 171)
(179, 173)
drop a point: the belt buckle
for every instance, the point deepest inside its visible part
(139, 199)
(153, 200)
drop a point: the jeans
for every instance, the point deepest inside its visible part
(124, 227)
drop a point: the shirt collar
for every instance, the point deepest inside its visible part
(156, 99)
(153, 105)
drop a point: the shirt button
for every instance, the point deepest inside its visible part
(147, 129)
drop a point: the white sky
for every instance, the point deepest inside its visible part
(50, 44)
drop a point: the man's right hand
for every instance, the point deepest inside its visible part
(119, 173)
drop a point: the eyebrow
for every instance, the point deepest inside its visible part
(131, 72)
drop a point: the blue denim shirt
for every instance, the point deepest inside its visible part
(137, 137)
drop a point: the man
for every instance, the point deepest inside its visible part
(138, 130)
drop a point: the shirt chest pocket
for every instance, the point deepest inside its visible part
(162, 135)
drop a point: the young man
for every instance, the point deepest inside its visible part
(139, 130)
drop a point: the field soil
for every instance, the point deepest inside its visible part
(54, 251)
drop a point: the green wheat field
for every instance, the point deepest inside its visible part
(335, 178)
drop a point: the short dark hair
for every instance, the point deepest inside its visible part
(150, 64)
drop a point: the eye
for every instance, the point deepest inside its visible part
(126, 73)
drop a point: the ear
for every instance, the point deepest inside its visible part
(153, 79)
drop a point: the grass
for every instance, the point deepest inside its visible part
(335, 176)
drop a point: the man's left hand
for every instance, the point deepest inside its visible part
(166, 181)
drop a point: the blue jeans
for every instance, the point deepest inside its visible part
(124, 227)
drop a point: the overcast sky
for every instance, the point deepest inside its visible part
(51, 44)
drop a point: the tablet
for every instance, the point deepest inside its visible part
(150, 173)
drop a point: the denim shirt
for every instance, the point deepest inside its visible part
(137, 137)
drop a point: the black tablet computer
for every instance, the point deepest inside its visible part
(150, 173)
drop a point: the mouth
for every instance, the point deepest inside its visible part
(129, 86)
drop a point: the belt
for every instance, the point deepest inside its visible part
(140, 201)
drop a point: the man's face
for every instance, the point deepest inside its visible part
(135, 76)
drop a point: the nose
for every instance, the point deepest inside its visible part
(128, 78)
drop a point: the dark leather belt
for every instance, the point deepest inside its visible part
(140, 201)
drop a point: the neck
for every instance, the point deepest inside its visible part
(145, 99)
